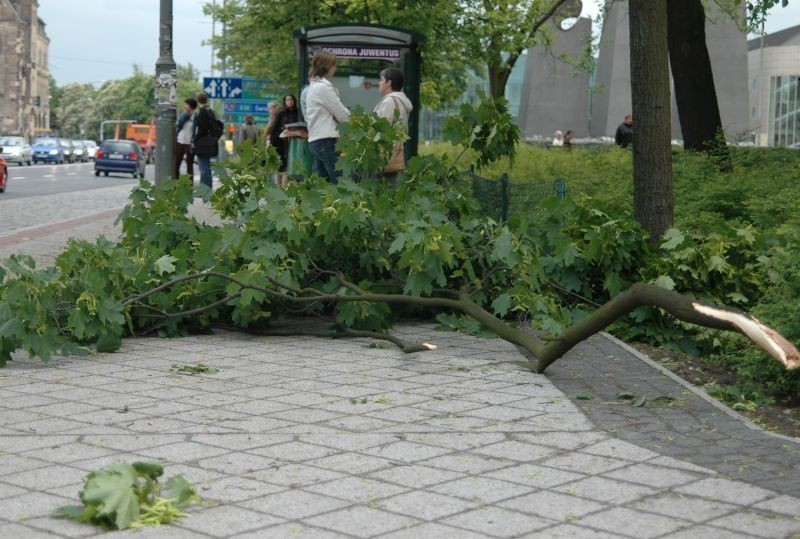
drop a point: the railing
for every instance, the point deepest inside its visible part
(502, 198)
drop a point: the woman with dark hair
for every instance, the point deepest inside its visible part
(288, 115)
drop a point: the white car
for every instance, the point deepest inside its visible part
(91, 147)
(16, 150)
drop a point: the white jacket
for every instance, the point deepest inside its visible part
(323, 110)
(394, 101)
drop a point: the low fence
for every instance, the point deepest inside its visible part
(502, 198)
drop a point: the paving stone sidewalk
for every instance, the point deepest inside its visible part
(310, 437)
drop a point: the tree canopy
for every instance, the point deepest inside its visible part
(487, 36)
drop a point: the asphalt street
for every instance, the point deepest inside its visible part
(48, 179)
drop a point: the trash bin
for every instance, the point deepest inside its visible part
(298, 154)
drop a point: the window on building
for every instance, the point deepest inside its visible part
(753, 112)
(784, 109)
(755, 84)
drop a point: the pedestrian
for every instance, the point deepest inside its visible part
(288, 115)
(250, 130)
(624, 135)
(271, 131)
(324, 112)
(183, 145)
(395, 107)
(558, 139)
(205, 144)
(568, 136)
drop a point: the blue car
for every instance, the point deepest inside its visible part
(47, 150)
(124, 156)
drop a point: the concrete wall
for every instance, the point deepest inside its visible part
(554, 96)
(727, 48)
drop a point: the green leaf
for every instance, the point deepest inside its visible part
(111, 491)
(665, 281)
(502, 304)
(180, 491)
(672, 239)
(165, 264)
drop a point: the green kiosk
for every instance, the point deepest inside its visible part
(362, 51)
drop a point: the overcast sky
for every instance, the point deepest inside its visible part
(96, 40)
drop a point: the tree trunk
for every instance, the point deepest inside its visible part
(652, 155)
(695, 94)
(498, 77)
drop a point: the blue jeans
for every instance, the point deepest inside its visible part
(204, 164)
(325, 156)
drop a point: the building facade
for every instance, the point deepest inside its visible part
(774, 84)
(727, 49)
(555, 94)
(24, 77)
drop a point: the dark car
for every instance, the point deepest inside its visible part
(48, 150)
(79, 151)
(123, 156)
(3, 174)
(66, 145)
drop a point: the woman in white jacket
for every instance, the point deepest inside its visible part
(395, 107)
(324, 111)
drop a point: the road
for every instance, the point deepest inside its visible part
(46, 179)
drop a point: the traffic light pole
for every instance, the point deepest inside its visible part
(166, 97)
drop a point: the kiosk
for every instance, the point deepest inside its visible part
(362, 51)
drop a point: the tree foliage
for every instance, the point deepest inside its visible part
(80, 108)
(486, 36)
(356, 256)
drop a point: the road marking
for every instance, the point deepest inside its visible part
(72, 173)
(49, 176)
(20, 177)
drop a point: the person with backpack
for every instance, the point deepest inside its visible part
(207, 131)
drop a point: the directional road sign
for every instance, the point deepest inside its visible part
(223, 87)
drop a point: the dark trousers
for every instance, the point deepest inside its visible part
(325, 156)
(180, 151)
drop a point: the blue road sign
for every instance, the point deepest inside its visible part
(248, 106)
(223, 87)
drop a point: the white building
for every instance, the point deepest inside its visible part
(774, 84)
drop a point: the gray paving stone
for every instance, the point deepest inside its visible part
(632, 522)
(414, 475)
(295, 475)
(352, 463)
(787, 505)
(362, 521)
(693, 532)
(515, 450)
(758, 524)
(653, 476)
(552, 505)
(294, 504)
(481, 489)
(18, 531)
(293, 530)
(575, 532)
(226, 520)
(606, 490)
(535, 476)
(498, 522)
(357, 489)
(718, 488)
(431, 530)
(239, 463)
(686, 507)
(467, 463)
(47, 477)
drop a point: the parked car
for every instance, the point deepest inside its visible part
(68, 150)
(79, 152)
(3, 174)
(91, 148)
(16, 150)
(48, 150)
(119, 156)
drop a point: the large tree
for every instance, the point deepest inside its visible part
(652, 157)
(485, 35)
(73, 109)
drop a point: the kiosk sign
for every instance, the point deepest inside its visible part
(364, 53)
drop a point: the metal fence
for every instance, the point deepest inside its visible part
(502, 198)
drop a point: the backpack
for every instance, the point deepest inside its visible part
(216, 128)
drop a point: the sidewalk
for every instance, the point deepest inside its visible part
(307, 437)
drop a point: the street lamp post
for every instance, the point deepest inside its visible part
(166, 90)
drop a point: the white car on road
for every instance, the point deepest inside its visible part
(16, 150)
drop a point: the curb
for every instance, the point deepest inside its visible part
(697, 391)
